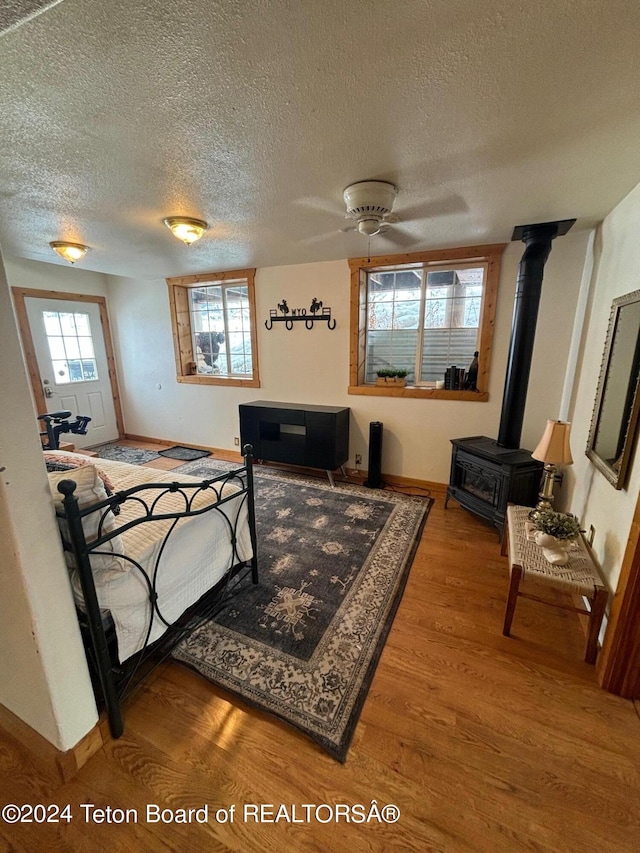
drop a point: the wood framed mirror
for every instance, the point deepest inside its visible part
(617, 405)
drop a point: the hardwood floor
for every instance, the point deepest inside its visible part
(485, 743)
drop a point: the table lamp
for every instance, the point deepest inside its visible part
(554, 450)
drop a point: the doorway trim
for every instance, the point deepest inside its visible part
(19, 295)
(619, 661)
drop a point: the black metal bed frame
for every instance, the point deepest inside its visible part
(114, 681)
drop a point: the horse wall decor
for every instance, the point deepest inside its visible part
(316, 312)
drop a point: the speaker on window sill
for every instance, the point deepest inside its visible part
(374, 467)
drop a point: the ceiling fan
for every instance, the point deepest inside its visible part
(369, 206)
(370, 203)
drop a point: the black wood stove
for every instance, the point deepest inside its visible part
(487, 474)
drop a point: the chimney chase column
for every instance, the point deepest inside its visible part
(523, 329)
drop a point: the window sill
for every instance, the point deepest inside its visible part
(205, 379)
(422, 393)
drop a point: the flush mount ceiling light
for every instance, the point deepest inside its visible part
(71, 252)
(185, 229)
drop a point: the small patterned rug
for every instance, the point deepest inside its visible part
(186, 454)
(120, 453)
(304, 643)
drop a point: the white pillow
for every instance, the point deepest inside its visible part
(90, 489)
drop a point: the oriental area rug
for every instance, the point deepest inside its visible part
(303, 644)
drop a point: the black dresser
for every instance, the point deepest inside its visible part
(311, 436)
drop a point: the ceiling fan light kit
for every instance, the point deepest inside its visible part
(370, 203)
(369, 226)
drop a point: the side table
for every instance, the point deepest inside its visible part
(579, 576)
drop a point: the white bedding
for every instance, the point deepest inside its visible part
(196, 556)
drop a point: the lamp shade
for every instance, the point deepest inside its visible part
(554, 448)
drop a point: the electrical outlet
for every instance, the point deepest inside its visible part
(236, 441)
(358, 458)
(592, 534)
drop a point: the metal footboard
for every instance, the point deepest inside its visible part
(115, 680)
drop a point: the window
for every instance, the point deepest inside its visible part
(213, 318)
(422, 320)
(423, 313)
(70, 346)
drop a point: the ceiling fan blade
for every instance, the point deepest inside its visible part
(318, 238)
(429, 210)
(396, 235)
(319, 205)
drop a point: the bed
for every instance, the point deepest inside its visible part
(148, 559)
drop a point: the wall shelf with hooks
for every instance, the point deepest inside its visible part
(316, 313)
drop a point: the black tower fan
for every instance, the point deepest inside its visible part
(374, 480)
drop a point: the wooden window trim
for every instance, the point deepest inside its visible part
(489, 255)
(179, 287)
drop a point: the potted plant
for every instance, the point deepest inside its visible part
(390, 376)
(554, 531)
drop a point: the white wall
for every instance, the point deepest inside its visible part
(589, 494)
(43, 672)
(54, 276)
(313, 366)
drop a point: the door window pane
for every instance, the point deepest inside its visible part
(67, 323)
(82, 325)
(56, 347)
(86, 347)
(70, 346)
(51, 323)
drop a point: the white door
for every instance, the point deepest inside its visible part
(72, 361)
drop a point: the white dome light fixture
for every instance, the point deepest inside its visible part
(370, 203)
(369, 227)
(186, 229)
(71, 252)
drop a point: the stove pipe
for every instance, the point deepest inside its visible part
(523, 329)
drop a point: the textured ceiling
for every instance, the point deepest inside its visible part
(13, 13)
(256, 115)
